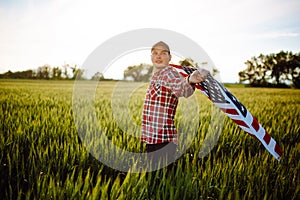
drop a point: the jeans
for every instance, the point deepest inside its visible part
(160, 155)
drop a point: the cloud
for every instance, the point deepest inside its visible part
(273, 35)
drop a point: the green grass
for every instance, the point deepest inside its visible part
(42, 156)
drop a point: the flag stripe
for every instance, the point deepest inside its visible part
(229, 111)
(278, 149)
(240, 122)
(255, 124)
(267, 138)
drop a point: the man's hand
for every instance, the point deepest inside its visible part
(198, 76)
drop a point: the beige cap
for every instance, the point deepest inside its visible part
(161, 43)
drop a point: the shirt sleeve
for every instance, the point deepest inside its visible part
(179, 85)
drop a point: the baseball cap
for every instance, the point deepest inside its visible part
(161, 43)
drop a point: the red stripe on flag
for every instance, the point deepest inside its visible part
(183, 74)
(199, 87)
(267, 138)
(278, 150)
(229, 111)
(241, 123)
(255, 124)
(176, 66)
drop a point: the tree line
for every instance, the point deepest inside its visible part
(274, 70)
(46, 72)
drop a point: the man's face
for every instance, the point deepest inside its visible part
(160, 57)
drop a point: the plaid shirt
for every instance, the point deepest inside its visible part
(160, 104)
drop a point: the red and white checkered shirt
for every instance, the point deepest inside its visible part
(160, 104)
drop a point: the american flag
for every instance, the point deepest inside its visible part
(234, 109)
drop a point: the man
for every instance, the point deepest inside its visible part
(166, 86)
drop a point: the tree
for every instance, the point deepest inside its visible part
(141, 72)
(294, 67)
(43, 72)
(66, 74)
(98, 76)
(190, 62)
(77, 73)
(273, 70)
(256, 72)
(56, 73)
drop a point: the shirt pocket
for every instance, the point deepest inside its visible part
(154, 91)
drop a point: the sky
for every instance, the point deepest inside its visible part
(57, 32)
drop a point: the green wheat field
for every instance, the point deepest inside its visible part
(43, 157)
